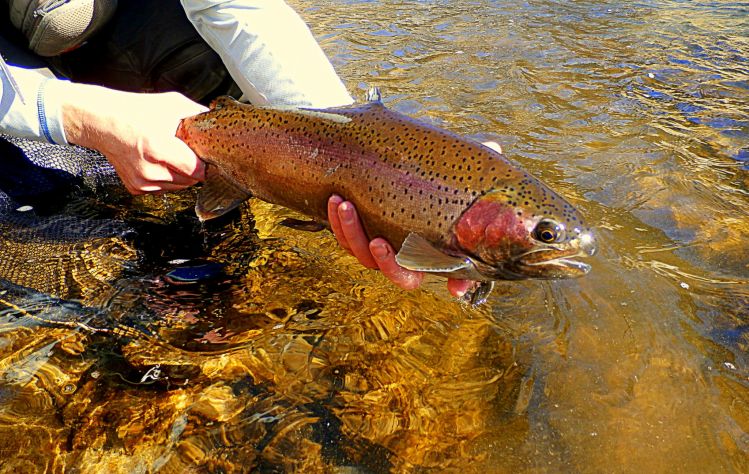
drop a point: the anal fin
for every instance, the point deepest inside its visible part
(219, 195)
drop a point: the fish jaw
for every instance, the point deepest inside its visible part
(500, 240)
(555, 265)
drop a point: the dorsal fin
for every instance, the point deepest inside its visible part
(373, 95)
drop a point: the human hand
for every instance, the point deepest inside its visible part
(377, 254)
(136, 133)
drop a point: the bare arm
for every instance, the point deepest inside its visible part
(134, 131)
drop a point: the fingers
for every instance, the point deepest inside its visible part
(165, 163)
(143, 187)
(458, 288)
(183, 181)
(384, 256)
(156, 188)
(377, 254)
(354, 234)
(169, 150)
(335, 222)
(149, 177)
(163, 173)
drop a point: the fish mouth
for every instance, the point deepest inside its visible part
(543, 262)
(565, 267)
(552, 263)
(538, 265)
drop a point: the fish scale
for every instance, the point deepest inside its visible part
(405, 178)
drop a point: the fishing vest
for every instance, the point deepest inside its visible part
(136, 45)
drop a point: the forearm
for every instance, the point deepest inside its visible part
(90, 115)
(39, 115)
(269, 51)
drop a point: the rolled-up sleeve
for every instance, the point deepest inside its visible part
(269, 52)
(39, 115)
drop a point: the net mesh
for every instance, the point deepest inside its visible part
(32, 168)
(50, 240)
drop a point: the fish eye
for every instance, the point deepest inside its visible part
(549, 231)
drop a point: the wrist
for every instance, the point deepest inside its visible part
(85, 117)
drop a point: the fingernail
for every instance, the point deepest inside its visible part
(345, 212)
(380, 252)
(412, 282)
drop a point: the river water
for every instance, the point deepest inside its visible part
(297, 359)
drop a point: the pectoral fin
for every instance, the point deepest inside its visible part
(298, 224)
(219, 195)
(418, 254)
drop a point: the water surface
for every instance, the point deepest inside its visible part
(294, 358)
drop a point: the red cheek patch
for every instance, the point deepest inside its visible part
(487, 223)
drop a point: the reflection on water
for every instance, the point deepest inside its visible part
(292, 357)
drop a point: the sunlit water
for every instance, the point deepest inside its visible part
(296, 358)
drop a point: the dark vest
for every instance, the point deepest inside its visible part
(146, 46)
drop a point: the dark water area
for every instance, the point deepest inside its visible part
(246, 346)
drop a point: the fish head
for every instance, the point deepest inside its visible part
(524, 230)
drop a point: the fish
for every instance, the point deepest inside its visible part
(447, 204)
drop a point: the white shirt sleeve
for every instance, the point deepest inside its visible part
(39, 115)
(269, 52)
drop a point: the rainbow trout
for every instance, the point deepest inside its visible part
(449, 205)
